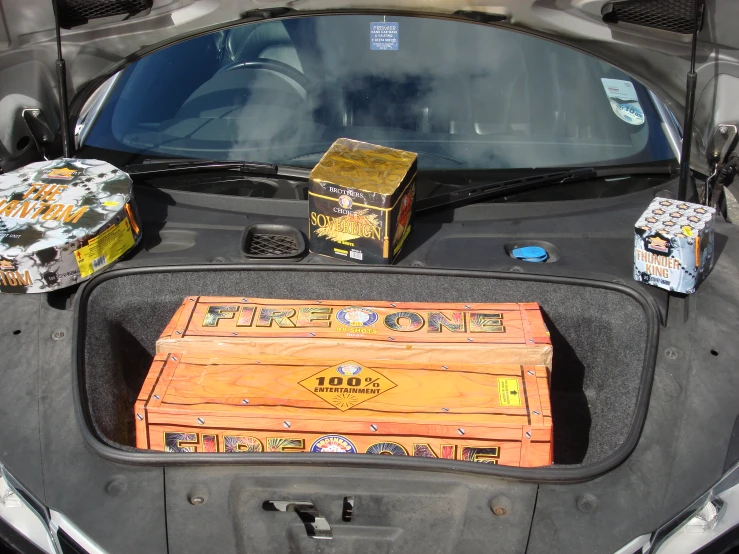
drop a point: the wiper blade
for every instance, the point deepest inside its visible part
(164, 167)
(477, 193)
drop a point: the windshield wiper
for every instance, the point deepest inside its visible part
(165, 167)
(478, 193)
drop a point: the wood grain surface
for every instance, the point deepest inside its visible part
(424, 332)
(179, 438)
(310, 397)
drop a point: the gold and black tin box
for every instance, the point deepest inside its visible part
(361, 200)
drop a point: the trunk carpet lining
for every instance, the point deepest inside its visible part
(599, 339)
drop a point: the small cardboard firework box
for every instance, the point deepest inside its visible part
(497, 414)
(673, 245)
(61, 221)
(361, 200)
(506, 333)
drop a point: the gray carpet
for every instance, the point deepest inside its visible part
(599, 340)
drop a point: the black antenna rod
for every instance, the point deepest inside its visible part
(61, 75)
(682, 190)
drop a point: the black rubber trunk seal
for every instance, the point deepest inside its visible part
(538, 474)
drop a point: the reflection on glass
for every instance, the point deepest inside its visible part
(462, 95)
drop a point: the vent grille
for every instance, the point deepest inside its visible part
(675, 16)
(270, 241)
(78, 12)
(272, 245)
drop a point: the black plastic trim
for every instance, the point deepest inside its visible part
(68, 544)
(539, 475)
(275, 229)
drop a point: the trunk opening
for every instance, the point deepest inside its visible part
(603, 335)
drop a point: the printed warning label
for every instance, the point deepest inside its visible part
(384, 35)
(508, 392)
(347, 385)
(107, 247)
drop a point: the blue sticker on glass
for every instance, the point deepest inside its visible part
(384, 36)
(631, 113)
(624, 100)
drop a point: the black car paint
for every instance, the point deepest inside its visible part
(680, 452)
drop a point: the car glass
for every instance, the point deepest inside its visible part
(460, 94)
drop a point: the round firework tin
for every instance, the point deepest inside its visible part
(61, 221)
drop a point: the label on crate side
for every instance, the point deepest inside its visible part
(508, 392)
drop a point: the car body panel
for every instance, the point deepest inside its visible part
(658, 59)
(147, 507)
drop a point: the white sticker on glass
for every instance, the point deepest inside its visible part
(384, 35)
(624, 101)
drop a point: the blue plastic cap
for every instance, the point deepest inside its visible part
(530, 254)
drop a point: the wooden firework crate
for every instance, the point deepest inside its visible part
(412, 332)
(486, 413)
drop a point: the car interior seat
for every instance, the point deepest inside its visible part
(443, 78)
(246, 100)
(269, 40)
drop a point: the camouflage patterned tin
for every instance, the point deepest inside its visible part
(61, 221)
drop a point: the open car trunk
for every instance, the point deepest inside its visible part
(603, 335)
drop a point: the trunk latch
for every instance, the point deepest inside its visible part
(316, 525)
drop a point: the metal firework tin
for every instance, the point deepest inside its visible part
(61, 221)
(361, 199)
(673, 245)
(496, 414)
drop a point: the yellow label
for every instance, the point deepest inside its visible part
(508, 392)
(347, 385)
(61, 173)
(687, 231)
(110, 203)
(107, 247)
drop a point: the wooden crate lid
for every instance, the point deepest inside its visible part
(296, 327)
(347, 396)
